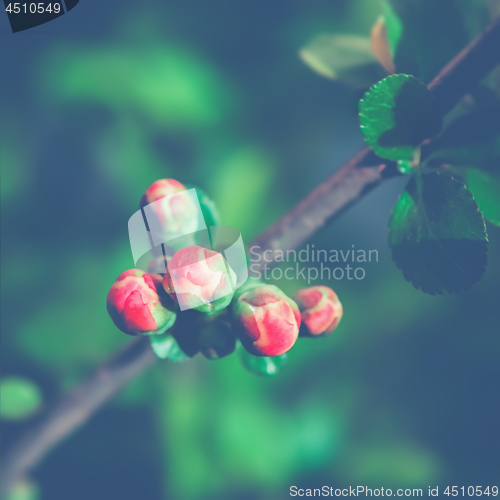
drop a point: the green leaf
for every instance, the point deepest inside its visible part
(19, 398)
(472, 140)
(437, 235)
(485, 187)
(393, 25)
(262, 365)
(397, 114)
(347, 58)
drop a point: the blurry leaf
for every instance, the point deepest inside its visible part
(396, 115)
(476, 15)
(485, 187)
(24, 490)
(381, 46)
(437, 235)
(393, 27)
(348, 58)
(472, 139)
(166, 347)
(433, 33)
(171, 86)
(69, 330)
(262, 365)
(240, 184)
(19, 398)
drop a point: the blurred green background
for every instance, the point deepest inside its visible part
(105, 100)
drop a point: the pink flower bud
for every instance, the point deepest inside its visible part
(136, 306)
(173, 212)
(267, 320)
(201, 279)
(160, 189)
(320, 310)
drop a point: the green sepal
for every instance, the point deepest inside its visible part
(166, 346)
(208, 208)
(217, 338)
(262, 365)
(180, 344)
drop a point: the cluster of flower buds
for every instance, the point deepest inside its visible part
(265, 320)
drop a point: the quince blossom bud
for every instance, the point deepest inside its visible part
(201, 279)
(267, 320)
(172, 212)
(217, 339)
(135, 305)
(320, 310)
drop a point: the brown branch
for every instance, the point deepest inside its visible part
(351, 182)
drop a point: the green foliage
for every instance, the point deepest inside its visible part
(72, 317)
(393, 25)
(396, 115)
(437, 235)
(263, 365)
(485, 186)
(135, 78)
(19, 398)
(243, 179)
(348, 58)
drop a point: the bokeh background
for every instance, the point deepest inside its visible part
(114, 95)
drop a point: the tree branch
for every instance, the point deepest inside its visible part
(351, 182)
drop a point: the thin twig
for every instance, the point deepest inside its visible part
(351, 182)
